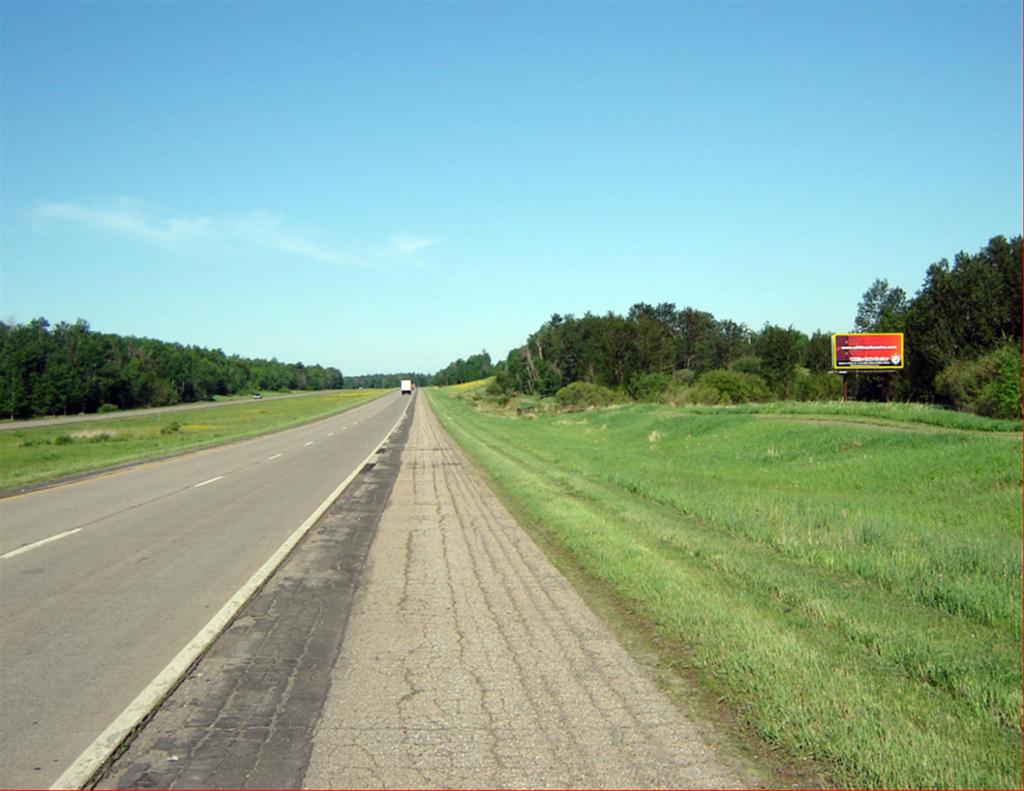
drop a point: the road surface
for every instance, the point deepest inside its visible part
(103, 581)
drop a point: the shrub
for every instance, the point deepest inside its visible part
(989, 385)
(584, 394)
(818, 387)
(702, 393)
(108, 408)
(730, 387)
(748, 364)
(1008, 395)
(649, 387)
(171, 427)
(677, 393)
(684, 376)
(494, 388)
(63, 439)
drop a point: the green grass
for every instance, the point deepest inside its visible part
(852, 590)
(248, 395)
(45, 453)
(868, 412)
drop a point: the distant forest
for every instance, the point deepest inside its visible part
(962, 348)
(68, 368)
(387, 380)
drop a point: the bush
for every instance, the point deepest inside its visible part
(584, 394)
(730, 387)
(684, 376)
(705, 394)
(748, 364)
(649, 387)
(108, 408)
(494, 388)
(818, 387)
(171, 427)
(63, 439)
(676, 393)
(989, 385)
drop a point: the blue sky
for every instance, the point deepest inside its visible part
(391, 186)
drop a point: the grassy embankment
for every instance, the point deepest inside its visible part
(33, 455)
(265, 393)
(852, 590)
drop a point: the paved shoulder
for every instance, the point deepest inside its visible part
(469, 661)
(244, 715)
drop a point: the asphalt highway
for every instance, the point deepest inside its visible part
(103, 581)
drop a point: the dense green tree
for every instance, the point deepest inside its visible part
(68, 368)
(881, 309)
(474, 367)
(818, 352)
(781, 350)
(963, 311)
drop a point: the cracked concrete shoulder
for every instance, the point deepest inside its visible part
(469, 661)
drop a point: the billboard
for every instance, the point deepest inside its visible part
(867, 351)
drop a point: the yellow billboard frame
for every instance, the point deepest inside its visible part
(903, 353)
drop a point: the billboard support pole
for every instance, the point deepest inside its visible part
(844, 388)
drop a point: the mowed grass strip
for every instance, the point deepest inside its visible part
(853, 591)
(37, 455)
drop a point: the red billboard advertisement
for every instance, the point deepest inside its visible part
(871, 351)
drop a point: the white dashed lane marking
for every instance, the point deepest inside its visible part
(209, 481)
(275, 456)
(34, 545)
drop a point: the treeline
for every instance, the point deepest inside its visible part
(385, 380)
(656, 348)
(69, 368)
(476, 366)
(962, 348)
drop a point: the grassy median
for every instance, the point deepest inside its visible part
(852, 590)
(35, 455)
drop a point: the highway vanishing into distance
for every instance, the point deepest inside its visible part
(104, 581)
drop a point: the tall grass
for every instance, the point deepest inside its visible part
(35, 455)
(853, 590)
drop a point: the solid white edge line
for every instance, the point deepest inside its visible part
(96, 754)
(209, 481)
(36, 544)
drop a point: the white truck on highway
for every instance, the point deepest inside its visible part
(406, 387)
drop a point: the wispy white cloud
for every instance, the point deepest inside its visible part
(406, 243)
(123, 219)
(257, 229)
(266, 230)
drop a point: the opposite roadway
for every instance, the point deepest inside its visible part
(137, 563)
